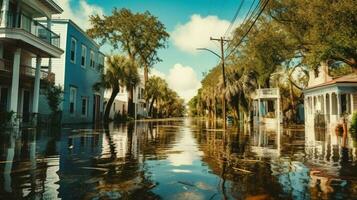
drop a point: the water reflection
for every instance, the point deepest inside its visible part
(182, 159)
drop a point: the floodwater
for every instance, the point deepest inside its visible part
(177, 159)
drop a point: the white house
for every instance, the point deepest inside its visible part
(24, 42)
(120, 104)
(266, 108)
(327, 100)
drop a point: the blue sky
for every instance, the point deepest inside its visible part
(189, 22)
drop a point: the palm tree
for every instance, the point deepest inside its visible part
(130, 80)
(154, 91)
(111, 80)
(239, 87)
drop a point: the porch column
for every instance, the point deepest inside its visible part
(49, 23)
(259, 110)
(352, 108)
(313, 105)
(36, 89)
(324, 105)
(4, 13)
(330, 96)
(49, 26)
(278, 108)
(15, 80)
(339, 110)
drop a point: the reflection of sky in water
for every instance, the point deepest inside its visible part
(187, 148)
(180, 175)
(174, 161)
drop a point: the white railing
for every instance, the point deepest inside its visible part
(268, 92)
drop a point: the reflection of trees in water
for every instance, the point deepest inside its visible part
(127, 175)
(159, 137)
(227, 154)
(24, 156)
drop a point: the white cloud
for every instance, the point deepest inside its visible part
(197, 32)
(183, 79)
(80, 15)
(155, 72)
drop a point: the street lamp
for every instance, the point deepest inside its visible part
(223, 76)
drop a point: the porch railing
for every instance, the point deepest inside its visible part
(267, 93)
(6, 66)
(21, 21)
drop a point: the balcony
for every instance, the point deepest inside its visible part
(31, 32)
(28, 71)
(32, 26)
(267, 93)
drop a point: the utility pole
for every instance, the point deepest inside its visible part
(222, 41)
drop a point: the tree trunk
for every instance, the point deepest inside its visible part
(238, 114)
(131, 108)
(146, 74)
(292, 101)
(267, 83)
(109, 105)
(151, 107)
(146, 78)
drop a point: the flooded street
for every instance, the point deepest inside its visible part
(176, 159)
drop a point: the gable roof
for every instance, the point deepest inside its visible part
(350, 78)
(69, 21)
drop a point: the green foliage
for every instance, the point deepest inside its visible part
(290, 38)
(164, 100)
(54, 95)
(340, 70)
(353, 127)
(324, 29)
(120, 71)
(119, 117)
(139, 35)
(6, 119)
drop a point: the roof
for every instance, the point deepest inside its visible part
(79, 29)
(350, 78)
(53, 5)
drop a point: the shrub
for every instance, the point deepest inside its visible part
(353, 128)
(54, 96)
(6, 119)
(118, 117)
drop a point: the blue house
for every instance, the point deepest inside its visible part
(78, 69)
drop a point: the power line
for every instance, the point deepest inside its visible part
(250, 28)
(246, 19)
(249, 24)
(234, 18)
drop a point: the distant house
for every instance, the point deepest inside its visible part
(266, 107)
(24, 44)
(77, 70)
(327, 100)
(120, 105)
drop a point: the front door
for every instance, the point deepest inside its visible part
(96, 108)
(26, 106)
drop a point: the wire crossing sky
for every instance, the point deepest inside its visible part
(190, 23)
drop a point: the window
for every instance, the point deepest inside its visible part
(92, 62)
(316, 72)
(100, 62)
(3, 98)
(73, 50)
(84, 106)
(72, 99)
(84, 56)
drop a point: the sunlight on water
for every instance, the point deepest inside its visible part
(181, 159)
